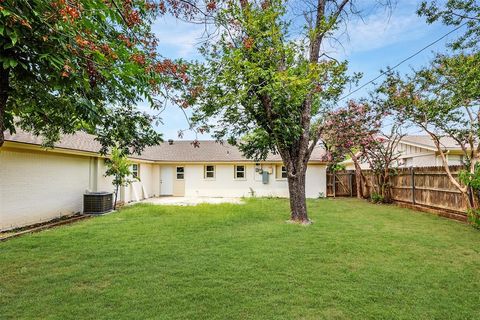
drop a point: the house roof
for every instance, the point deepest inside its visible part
(80, 141)
(178, 151)
(208, 151)
(426, 141)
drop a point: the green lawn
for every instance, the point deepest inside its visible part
(356, 261)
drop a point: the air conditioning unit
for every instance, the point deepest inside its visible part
(97, 202)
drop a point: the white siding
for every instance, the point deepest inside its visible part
(416, 156)
(454, 160)
(426, 160)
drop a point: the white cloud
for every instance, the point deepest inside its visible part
(177, 39)
(378, 30)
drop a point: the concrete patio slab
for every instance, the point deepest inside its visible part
(190, 201)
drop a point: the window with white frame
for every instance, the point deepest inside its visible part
(240, 172)
(180, 173)
(209, 172)
(135, 170)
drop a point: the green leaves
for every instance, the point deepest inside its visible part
(68, 63)
(471, 179)
(8, 62)
(258, 82)
(442, 98)
(456, 13)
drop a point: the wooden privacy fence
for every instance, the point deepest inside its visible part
(427, 187)
(341, 184)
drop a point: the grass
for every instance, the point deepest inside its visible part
(357, 261)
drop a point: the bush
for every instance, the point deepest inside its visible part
(473, 216)
(377, 198)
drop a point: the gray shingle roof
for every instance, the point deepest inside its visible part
(209, 150)
(79, 141)
(426, 141)
(178, 151)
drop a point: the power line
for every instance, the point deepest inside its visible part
(382, 73)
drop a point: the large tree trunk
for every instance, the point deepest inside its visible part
(463, 189)
(4, 90)
(298, 203)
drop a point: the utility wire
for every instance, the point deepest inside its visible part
(382, 73)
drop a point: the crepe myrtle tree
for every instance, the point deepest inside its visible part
(64, 63)
(455, 13)
(350, 131)
(444, 100)
(264, 87)
(382, 156)
(119, 168)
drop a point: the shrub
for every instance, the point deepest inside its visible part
(473, 216)
(377, 198)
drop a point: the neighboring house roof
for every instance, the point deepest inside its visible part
(426, 141)
(178, 151)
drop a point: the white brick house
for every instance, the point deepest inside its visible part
(38, 184)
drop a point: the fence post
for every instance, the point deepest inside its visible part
(350, 178)
(334, 184)
(413, 184)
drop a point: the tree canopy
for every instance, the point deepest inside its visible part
(456, 13)
(265, 87)
(65, 64)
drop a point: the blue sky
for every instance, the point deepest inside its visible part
(380, 40)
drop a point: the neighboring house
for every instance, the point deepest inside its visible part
(420, 151)
(38, 184)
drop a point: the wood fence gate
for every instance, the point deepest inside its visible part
(341, 184)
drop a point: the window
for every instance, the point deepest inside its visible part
(240, 172)
(135, 170)
(280, 172)
(284, 172)
(209, 172)
(180, 173)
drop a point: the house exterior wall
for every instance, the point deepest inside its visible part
(453, 160)
(351, 166)
(423, 160)
(146, 187)
(36, 187)
(103, 183)
(225, 185)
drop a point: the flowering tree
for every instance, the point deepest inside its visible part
(350, 132)
(64, 63)
(382, 155)
(265, 87)
(444, 100)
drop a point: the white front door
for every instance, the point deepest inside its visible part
(166, 181)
